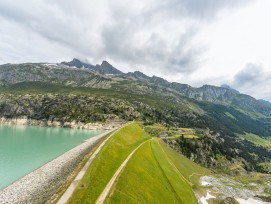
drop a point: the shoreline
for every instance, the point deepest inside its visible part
(51, 123)
(39, 185)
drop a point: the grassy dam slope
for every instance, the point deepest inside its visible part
(153, 174)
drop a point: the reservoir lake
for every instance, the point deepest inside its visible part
(26, 148)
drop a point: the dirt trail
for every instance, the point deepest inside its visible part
(68, 193)
(106, 190)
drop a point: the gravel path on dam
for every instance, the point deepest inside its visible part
(39, 185)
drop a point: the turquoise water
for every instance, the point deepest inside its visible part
(25, 148)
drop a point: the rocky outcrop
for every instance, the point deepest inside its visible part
(78, 64)
(52, 109)
(51, 73)
(227, 187)
(73, 124)
(105, 76)
(104, 68)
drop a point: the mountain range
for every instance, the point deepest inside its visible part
(81, 92)
(80, 74)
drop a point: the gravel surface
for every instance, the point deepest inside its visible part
(230, 188)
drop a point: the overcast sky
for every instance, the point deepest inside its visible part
(188, 41)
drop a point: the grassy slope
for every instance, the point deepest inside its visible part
(150, 178)
(190, 170)
(266, 166)
(107, 162)
(154, 174)
(257, 140)
(173, 133)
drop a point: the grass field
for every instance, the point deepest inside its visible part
(257, 140)
(154, 174)
(189, 170)
(149, 177)
(107, 162)
(171, 132)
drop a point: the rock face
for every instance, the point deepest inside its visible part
(104, 68)
(230, 188)
(64, 110)
(73, 124)
(154, 79)
(51, 73)
(78, 64)
(267, 103)
(105, 76)
(139, 75)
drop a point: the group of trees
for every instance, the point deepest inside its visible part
(87, 108)
(208, 149)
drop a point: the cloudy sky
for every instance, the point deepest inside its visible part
(189, 41)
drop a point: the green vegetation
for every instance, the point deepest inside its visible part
(266, 166)
(203, 128)
(64, 104)
(175, 176)
(190, 170)
(107, 99)
(254, 115)
(103, 167)
(170, 132)
(150, 177)
(154, 174)
(61, 190)
(230, 115)
(257, 140)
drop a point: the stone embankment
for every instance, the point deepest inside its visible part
(74, 124)
(41, 184)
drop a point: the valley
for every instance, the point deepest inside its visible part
(208, 141)
(135, 102)
(153, 169)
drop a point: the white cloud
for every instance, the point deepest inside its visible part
(189, 41)
(253, 80)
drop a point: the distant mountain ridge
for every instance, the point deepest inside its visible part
(71, 92)
(104, 68)
(223, 95)
(107, 76)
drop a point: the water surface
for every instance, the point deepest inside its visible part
(25, 148)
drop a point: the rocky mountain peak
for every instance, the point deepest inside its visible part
(75, 60)
(17, 73)
(107, 68)
(106, 64)
(104, 68)
(77, 63)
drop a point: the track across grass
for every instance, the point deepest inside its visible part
(150, 178)
(105, 164)
(154, 173)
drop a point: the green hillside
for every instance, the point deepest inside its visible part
(170, 113)
(154, 174)
(257, 140)
(107, 162)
